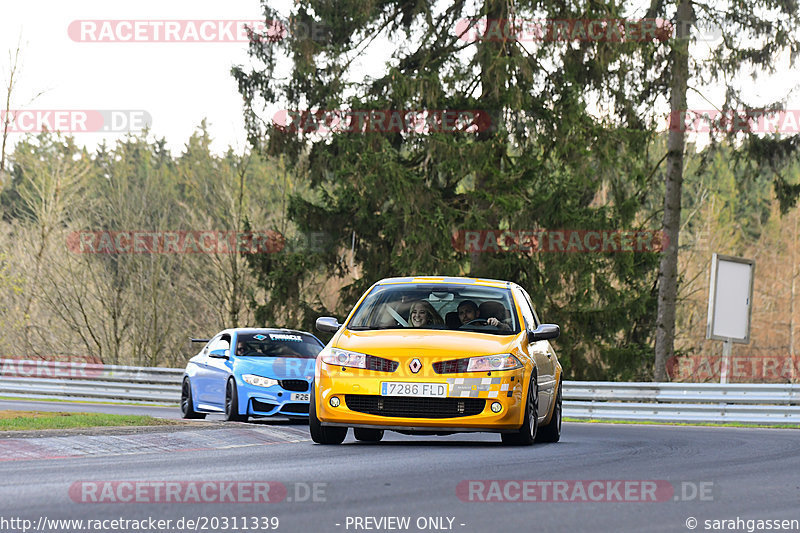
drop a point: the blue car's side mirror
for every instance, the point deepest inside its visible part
(220, 353)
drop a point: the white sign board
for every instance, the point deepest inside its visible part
(730, 298)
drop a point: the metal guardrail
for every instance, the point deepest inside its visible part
(584, 400)
(84, 381)
(753, 403)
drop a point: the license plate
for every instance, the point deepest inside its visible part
(400, 388)
(301, 396)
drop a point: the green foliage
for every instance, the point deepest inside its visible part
(118, 307)
(740, 189)
(38, 165)
(395, 198)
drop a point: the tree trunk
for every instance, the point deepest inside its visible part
(793, 376)
(668, 269)
(493, 81)
(7, 117)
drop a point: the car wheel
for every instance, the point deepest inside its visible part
(552, 431)
(368, 435)
(526, 435)
(187, 404)
(319, 433)
(232, 403)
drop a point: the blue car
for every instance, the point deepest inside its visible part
(246, 372)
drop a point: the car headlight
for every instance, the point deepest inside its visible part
(259, 381)
(488, 363)
(337, 357)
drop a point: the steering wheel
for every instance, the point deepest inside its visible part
(476, 322)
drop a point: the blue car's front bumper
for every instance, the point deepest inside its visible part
(281, 399)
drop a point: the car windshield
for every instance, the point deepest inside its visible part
(277, 344)
(437, 306)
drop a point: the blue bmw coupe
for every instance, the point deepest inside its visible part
(246, 372)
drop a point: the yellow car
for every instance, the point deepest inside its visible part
(434, 356)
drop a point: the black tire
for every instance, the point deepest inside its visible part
(319, 433)
(526, 434)
(187, 403)
(367, 434)
(232, 403)
(552, 431)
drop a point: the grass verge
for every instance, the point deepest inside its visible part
(98, 402)
(34, 420)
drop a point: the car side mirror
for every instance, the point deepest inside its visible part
(328, 324)
(544, 332)
(220, 353)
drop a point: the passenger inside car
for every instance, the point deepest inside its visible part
(467, 311)
(422, 313)
(494, 313)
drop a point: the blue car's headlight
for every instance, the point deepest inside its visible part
(259, 381)
(339, 357)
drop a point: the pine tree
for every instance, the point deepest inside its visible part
(536, 157)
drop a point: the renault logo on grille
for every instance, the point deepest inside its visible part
(414, 365)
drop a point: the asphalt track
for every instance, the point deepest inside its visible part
(701, 472)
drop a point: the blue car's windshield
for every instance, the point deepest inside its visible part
(476, 308)
(277, 344)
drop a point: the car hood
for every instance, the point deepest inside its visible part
(399, 344)
(276, 367)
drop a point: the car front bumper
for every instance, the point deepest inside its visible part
(467, 406)
(271, 401)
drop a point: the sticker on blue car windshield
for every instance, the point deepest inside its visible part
(285, 337)
(259, 337)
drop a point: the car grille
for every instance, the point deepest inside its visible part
(263, 406)
(414, 407)
(380, 364)
(454, 366)
(295, 408)
(295, 385)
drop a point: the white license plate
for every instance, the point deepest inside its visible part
(400, 388)
(301, 396)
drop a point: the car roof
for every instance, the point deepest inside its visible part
(263, 330)
(446, 280)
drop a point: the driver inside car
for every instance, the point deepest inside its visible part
(468, 311)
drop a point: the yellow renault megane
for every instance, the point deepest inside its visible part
(432, 356)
